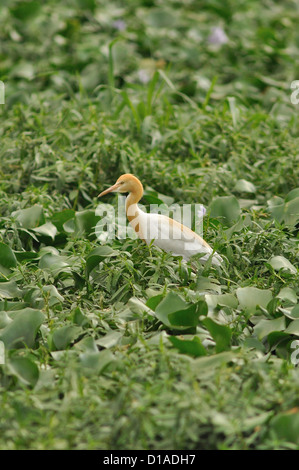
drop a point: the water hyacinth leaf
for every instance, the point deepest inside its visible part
(85, 222)
(225, 300)
(292, 195)
(7, 259)
(291, 212)
(207, 365)
(86, 344)
(220, 333)
(97, 255)
(48, 229)
(170, 304)
(205, 284)
(11, 306)
(277, 337)
(244, 186)
(192, 347)
(110, 339)
(52, 294)
(251, 297)
(4, 319)
(280, 262)
(62, 337)
(96, 361)
(23, 328)
(79, 318)
(295, 311)
(31, 217)
(264, 327)
(10, 290)
(24, 369)
(285, 426)
(287, 210)
(53, 263)
(287, 293)
(226, 209)
(184, 318)
(276, 208)
(59, 218)
(26, 255)
(161, 18)
(293, 328)
(26, 10)
(154, 301)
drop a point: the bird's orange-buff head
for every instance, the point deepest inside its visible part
(126, 183)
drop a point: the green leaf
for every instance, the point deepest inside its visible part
(154, 301)
(289, 294)
(10, 290)
(62, 337)
(280, 262)
(7, 259)
(276, 208)
(59, 218)
(225, 208)
(23, 329)
(171, 304)
(26, 255)
(186, 317)
(295, 311)
(31, 217)
(161, 18)
(225, 300)
(291, 212)
(293, 328)
(96, 361)
(4, 319)
(220, 333)
(24, 369)
(264, 327)
(251, 297)
(234, 110)
(97, 255)
(48, 229)
(25, 10)
(292, 195)
(244, 186)
(54, 263)
(285, 427)
(192, 347)
(85, 222)
(110, 339)
(208, 364)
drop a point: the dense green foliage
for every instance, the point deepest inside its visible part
(113, 344)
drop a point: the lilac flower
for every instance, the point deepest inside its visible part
(144, 76)
(201, 212)
(217, 36)
(119, 24)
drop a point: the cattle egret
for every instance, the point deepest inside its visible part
(164, 232)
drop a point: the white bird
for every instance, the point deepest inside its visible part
(164, 232)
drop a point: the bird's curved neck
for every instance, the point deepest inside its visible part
(132, 201)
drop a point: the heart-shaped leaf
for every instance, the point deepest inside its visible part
(220, 333)
(192, 347)
(226, 209)
(7, 259)
(24, 369)
(23, 328)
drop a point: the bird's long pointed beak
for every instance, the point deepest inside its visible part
(109, 190)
